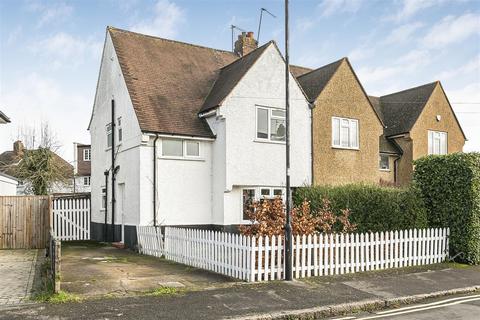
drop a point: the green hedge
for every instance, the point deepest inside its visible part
(450, 186)
(373, 208)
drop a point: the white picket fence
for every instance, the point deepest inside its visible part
(71, 218)
(261, 258)
(150, 241)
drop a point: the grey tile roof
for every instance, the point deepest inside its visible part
(401, 110)
(314, 81)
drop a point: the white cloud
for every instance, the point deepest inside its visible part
(453, 29)
(471, 67)
(403, 33)
(50, 13)
(411, 7)
(330, 7)
(166, 20)
(33, 98)
(361, 53)
(64, 49)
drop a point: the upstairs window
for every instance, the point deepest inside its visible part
(87, 154)
(120, 131)
(179, 148)
(437, 142)
(344, 133)
(384, 163)
(271, 124)
(109, 135)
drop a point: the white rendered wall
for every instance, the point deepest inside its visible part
(110, 85)
(253, 163)
(8, 187)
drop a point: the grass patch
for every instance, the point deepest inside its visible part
(61, 297)
(162, 291)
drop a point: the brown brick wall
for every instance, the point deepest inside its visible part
(343, 97)
(83, 167)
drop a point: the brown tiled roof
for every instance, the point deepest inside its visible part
(229, 76)
(314, 81)
(168, 81)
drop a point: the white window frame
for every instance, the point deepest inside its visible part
(104, 197)
(87, 178)
(380, 161)
(258, 196)
(120, 130)
(87, 154)
(108, 129)
(269, 123)
(432, 137)
(349, 142)
(184, 155)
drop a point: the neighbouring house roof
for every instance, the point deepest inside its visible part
(388, 146)
(314, 81)
(297, 71)
(8, 176)
(10, 159)
(168, 81)
(4, 118)
(401, 110)
(229, 76)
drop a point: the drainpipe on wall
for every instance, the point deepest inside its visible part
(113, 170)
(311, 105)
(106, 207)
(155, 180)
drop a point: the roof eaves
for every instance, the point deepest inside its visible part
(4, 117)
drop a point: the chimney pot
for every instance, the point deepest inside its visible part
(18, 147)
(245, 43)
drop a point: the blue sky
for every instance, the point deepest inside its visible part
(50, 50)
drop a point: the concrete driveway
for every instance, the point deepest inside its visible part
(19, 271)
(92, 269)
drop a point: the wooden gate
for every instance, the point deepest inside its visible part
(71, 217)
(24, 222)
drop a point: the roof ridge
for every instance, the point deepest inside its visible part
(110, 28)
(324, 66)
(410, 89)
(242, 57)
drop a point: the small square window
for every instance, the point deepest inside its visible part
(87, 154)
(86, 181)
(384, 162)
(104, 198)
(172, 148)
(277, 192)
(265, 192)
(193, 148)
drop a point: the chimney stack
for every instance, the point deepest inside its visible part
(245, 43)
(18, 148)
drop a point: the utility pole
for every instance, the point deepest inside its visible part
(288, 225)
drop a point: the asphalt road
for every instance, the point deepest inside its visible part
(456, 307)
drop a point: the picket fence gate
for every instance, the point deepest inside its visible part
(261, 258)
(71, 218)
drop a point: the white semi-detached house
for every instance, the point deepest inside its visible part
(197, 132)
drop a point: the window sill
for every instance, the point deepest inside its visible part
(182, 158)
(346, 148)
(268, 141)
(385, 170)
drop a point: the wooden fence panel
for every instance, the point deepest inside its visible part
(24, 222)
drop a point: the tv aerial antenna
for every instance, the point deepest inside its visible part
(262, 10)
(233, 34)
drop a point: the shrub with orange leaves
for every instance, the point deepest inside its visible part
(267, 218)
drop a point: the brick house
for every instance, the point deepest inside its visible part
(360, 138)
(82, 156)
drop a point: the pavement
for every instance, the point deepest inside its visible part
(19, 271)
(303, 299)
(91, 269)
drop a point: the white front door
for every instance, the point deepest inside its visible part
(121, 189)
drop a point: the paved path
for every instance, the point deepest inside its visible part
(465, 307)
(264, 300)
(17, 273)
